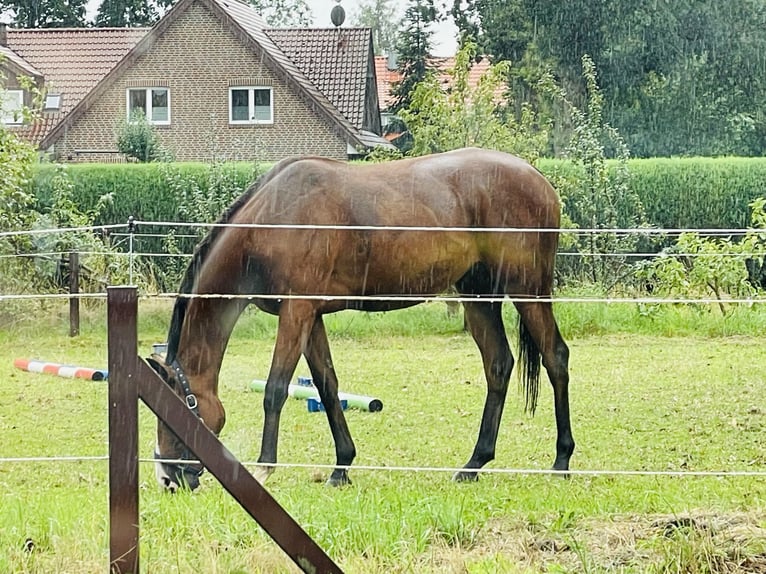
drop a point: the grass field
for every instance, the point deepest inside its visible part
(678, 390)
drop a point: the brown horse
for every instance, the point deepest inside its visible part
(299, 263)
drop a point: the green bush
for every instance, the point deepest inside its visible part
(675, 193)
(138, 139)
(150, 192)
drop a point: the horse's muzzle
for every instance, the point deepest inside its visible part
(173, 477)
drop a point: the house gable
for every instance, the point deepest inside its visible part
(198, 56)
(198, 43)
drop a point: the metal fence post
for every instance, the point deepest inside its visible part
(74, 291)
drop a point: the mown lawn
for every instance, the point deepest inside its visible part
(640, 401)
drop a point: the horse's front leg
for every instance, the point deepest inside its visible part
(296, 319)
(326, 381)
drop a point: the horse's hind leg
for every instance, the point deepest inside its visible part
(296, 319)
(539, 320)
(318, 357)
(486, 325)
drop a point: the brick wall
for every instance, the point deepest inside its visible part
(198, 58)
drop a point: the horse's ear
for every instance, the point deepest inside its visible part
(155, 362)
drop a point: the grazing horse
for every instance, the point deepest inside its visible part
(312, 248)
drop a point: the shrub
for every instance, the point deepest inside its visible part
(596, 194)
(703, 266)
(137, 139)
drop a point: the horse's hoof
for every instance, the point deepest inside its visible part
(466, 476)
(338, 479)
(261, 473)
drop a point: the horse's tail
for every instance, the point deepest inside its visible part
(529, 367)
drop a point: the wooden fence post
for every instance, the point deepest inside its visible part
(122, 304)
(131, 379)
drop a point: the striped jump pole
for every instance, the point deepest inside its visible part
(67, 371)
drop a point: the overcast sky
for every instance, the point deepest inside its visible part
(444, 35)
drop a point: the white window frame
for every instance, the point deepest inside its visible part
(52, 102)
(251, 105)
(12, 101)
(149, 111)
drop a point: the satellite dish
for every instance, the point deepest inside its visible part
(338, 15)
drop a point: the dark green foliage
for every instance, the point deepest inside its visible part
(126, 13)
(680, 77)
(413, 50)
(46, 13)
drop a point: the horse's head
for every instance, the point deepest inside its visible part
(174, 475)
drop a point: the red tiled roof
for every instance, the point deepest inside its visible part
(72, 60)
(8, 55)
(335, 60)
(244, 16)
(387, 78)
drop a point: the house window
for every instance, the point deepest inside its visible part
(153, 103)
(11, 104)
(250, 106)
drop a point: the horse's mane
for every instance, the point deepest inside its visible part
(200, 255)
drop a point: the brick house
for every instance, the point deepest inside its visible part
(213, 79)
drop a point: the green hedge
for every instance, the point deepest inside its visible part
(676, 193)
(691, 192)
(140, 190)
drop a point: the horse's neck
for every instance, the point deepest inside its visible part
(205, 334)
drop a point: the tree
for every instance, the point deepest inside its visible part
(380, 16)
(471, 115)
(689, 80)
(129, 13)
(679, 77)
(502, 29)
(45, 13)
(597, 196)
(284, 13)
(137, 138)
(413, 49)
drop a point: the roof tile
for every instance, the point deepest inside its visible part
(443, 66)
(73, 60)
(334, 59)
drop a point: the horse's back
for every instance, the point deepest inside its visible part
(470, 187)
